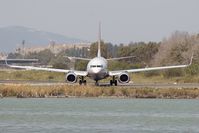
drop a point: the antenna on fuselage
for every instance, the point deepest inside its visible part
(99, 41)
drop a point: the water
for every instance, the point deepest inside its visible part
(86, 115)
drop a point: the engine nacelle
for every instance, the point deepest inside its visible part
(124, 78)
(71, 77)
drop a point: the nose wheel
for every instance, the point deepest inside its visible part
(82, 81)
(96, 83)
(113, 81)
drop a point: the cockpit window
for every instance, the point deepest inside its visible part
(99, 66)
(93, 66)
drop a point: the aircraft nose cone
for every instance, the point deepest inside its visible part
(96, 70)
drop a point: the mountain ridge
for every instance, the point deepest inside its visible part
(12, 37)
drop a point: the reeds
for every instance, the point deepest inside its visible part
(28, 91)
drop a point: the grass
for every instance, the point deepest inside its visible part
(31, 75)
(28, 91)
(141, 78)
(16, 90)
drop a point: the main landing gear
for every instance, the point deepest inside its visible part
(113, 81)
(82, 81)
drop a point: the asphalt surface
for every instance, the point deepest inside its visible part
(130, 85)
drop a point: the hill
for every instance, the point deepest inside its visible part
(11, 37)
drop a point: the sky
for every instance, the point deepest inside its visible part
(123, 21)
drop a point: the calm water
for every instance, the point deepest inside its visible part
(98, 115)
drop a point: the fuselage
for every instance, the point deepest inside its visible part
(97, 68)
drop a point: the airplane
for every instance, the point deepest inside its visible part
(97, 69)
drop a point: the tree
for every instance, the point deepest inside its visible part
(143, 52)
(175, 50)
(61, 62)
(94, 48)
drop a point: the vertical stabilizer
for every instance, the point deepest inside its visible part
(99, 41)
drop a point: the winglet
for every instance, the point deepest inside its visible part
(191, 59)
(6, 62)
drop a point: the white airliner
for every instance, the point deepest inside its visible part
(97, 69)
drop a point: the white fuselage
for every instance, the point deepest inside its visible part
(97, 68)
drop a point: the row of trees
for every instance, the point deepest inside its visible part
(174, 50)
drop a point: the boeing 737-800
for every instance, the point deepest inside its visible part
(97, 69)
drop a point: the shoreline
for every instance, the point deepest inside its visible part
(76, 91)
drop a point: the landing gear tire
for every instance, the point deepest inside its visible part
(111, 82)
(115, 82)
(82, 81)
(97, 83)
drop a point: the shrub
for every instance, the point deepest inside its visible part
(174, 73)
(152, 73)
(193, 69)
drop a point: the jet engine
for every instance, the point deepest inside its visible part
(71, 77)
(124, 78)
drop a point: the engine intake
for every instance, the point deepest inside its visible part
(71, 77)
(124, 78)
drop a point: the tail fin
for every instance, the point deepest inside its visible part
(99, 41)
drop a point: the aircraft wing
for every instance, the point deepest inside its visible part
(78, 73)
(120, 58)
(115, 73)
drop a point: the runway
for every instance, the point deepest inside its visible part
(129, 85)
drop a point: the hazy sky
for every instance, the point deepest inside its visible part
(122, 20)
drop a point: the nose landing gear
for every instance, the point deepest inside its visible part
(96, 83)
